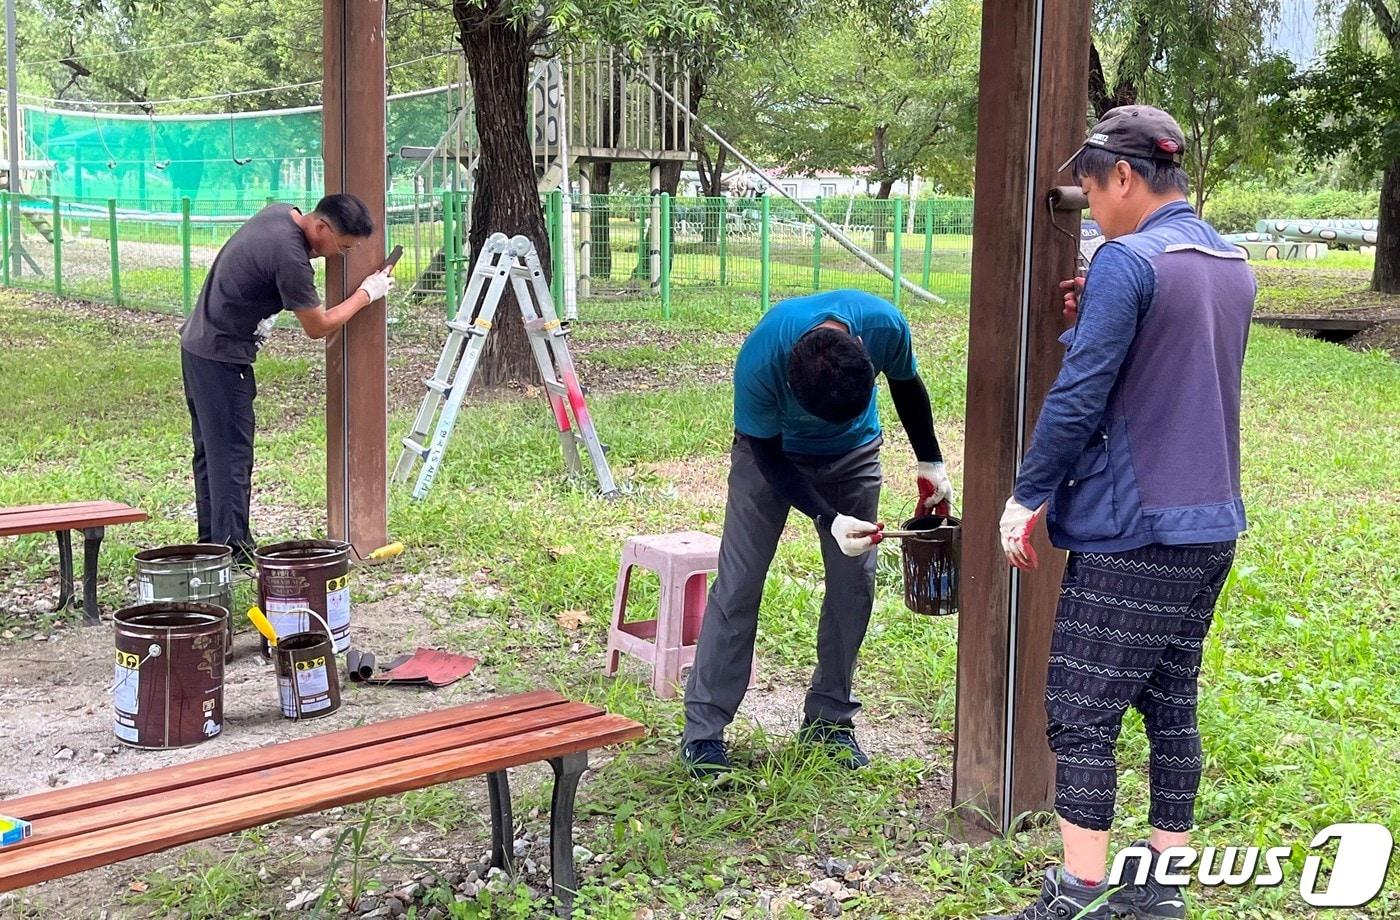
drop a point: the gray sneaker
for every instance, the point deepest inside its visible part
(1149, 901)
(1061, 899)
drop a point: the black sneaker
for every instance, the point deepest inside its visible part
(1151, 900)
(1061, 899)
(706, 757)
(839, 741)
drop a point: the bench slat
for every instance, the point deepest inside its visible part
(176, 799)
(63, 519)
(44, 804)
(30, 865)
(76, 506)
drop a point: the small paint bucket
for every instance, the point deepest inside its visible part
(308, 683)
(169, 688)
(306, 574)
(201, 573)
(931, 563)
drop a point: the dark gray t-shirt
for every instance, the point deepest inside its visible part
(264, 268)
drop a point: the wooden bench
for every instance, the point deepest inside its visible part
(100, 823)
(92, 518)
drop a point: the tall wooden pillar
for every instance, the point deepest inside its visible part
(1032, 115)
(356, 356)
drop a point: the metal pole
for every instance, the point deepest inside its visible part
(57, 232)
(898, 267)
(12, 133)
(449, 261)
(186, 277)
(585, 229)
(928, 242)
(114, 245)
(654, 236)
(723, 239)
(665, 256)
(817, 252)
(765, 269)
(5, 236)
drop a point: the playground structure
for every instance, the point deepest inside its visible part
(1303, 239)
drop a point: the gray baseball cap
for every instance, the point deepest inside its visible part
(1136, 131)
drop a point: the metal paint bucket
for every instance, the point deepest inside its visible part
(308, 683)
(169, 689)
(931, 564)
(301, 574)
(201, 573)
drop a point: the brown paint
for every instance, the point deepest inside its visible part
(169, 687)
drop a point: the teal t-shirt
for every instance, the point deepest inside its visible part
(764, 407)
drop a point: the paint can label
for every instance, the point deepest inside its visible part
(287, 616)
(288, 701)
(313, 684)
(145, 591)
(338, 610)
(127, 687)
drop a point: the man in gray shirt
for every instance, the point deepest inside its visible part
(263, 269)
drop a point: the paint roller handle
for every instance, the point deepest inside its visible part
(388, 551)
(263, 625)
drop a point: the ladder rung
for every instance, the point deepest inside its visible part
(414, 446)
(555, 387)
(441, 386)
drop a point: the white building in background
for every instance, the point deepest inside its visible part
(824, 184)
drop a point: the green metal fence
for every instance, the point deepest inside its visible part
(652, 252)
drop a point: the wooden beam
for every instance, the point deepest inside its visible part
(1032, 114)
(357, 379)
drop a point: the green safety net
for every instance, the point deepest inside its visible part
(153, 162)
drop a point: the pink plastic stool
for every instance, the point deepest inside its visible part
(683, 561)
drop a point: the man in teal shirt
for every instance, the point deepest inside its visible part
(807, 436)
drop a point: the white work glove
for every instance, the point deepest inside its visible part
(377, 285)
(855, 536)
(935, 489)
(1017, 525)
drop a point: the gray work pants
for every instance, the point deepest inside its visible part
(753, 521)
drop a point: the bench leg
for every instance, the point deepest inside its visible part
(65, 570)
(502, 824)
(92, 542)
(567, 772)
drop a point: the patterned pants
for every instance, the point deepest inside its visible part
(1129, 632)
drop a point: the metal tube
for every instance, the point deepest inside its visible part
(449, 262)
(114, 246)
(665, 256)
(817, 252)
(826, 225)
(765, 268)
(5, 236)
(898, 267)
(585, 232)
(57, 231)
(12, 134)
(654, 236)
(928, 242)
(186, 278)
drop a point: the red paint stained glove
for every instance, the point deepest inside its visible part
(854, 536)
(1017, 525)
(935, 489)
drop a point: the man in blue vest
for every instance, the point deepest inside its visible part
(1135, 465)
(807, 436)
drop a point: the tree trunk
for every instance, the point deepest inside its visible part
(600, 227)
(506, 198)
(1386, 276)
(881, 217)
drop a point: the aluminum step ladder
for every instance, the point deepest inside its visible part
(503, 261)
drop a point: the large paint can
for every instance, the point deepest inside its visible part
(169, 689)
(201, 573)
(306, 574)
(308, 682)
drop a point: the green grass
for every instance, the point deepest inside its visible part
(1300, 695)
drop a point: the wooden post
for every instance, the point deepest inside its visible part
(1032, 116)
(356, 355)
